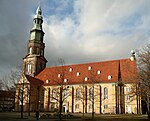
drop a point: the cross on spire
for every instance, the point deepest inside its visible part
(39, 2)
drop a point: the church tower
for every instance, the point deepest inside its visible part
(34, 61)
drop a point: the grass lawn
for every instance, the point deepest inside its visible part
(15, 116)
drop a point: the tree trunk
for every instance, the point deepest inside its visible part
(100, 100)
(22, 98)
(22, 110)
(148, 107)
(85, 99)
(29, 104)
(60, 103)
(83, 109)
(72, 100)
(148, 113)
(93, 103)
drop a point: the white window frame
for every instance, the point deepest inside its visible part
(29, 68)
(30, 50)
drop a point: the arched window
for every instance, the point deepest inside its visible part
(29, 68)
(30, 50)
(78, 94)
(54, 94)
(91, 93)
(105, 93)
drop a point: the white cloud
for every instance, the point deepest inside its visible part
(76, 30)
(98, 29)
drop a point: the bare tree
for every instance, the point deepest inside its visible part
(1, 84)
(81, 95)
(10, 79)
(22, 89)
(144, 75)
(89, 92)
(61, 92)
(93, 90)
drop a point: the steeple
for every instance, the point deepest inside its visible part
(34, 61)
(37, 31)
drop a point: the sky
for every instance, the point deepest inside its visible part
(78, 31)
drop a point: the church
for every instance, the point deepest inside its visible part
(105, 87)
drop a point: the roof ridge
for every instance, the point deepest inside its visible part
(87, 63)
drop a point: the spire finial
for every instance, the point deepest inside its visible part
(38, 11)
(39, 3)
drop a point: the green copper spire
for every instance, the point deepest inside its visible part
(36, 31)
(38, 19)
(39, 11)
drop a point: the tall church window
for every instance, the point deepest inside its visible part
(76, 106)
(105, 106)
(29, 68)
(105, 93)
(54, 94)
(91, 93)
(65, 94)
(78, 94)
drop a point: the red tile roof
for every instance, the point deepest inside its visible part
(126, 67)
(128, 70)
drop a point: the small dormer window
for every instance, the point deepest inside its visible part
(78, 74)
(89, 68)
(47, 81)
(98, 72)
(70, 70)
(109, 77)
(65, 80)
(58, 75)
(85, 79)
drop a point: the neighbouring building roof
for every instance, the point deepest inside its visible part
(97, 72)
(7, 94)
(34, 81)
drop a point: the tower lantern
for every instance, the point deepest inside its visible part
(132, 58)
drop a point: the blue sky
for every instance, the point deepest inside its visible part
(78, 31)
